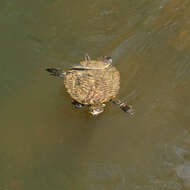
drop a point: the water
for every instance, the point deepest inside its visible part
(47, 144)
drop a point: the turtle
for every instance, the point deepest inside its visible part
(93, 83)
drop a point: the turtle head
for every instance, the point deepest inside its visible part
(108, 59)
(96, 110)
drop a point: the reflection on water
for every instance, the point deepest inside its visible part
(47, 144)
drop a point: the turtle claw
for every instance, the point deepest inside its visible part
(77, 104)
(87, 57)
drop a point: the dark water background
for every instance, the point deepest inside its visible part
(45, 144)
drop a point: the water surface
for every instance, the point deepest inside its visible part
(47, 144)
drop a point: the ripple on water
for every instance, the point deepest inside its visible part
(183, 171)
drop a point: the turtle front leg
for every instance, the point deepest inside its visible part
(56, 72)
(77, 104)
(124, 106)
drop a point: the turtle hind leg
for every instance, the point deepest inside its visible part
(77, 104)
(56, 72)
(124, 106)
(96, 109)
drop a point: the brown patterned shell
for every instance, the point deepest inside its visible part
(96, 84)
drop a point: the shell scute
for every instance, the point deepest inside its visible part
(95, 82)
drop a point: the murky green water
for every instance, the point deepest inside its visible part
(45, 144)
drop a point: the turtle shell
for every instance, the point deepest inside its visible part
(92, 82)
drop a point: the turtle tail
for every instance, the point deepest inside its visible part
(56, 72)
